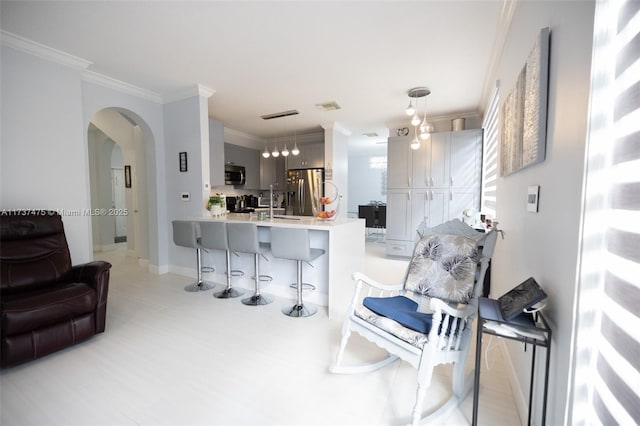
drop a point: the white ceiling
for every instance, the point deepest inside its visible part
(270, 56)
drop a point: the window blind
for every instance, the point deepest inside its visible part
(490, 157)
(607, 374)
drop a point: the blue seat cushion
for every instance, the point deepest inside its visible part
(402, 310)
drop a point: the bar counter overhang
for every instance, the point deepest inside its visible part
(343, 239)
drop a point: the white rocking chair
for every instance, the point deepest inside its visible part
(447, 339)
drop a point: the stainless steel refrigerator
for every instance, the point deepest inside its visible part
(302, 184)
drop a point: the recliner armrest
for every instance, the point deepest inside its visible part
(95, 274)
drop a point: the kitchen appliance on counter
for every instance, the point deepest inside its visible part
(242, 204)
(234, 175)
(301, 186)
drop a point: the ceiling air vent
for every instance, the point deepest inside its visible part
(328, 106)
(370, 134)
(280, 114)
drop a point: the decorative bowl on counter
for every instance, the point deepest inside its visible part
(326, 207)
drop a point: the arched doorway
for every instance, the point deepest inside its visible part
(118, 182)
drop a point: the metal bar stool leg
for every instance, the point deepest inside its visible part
(258, 299)
(229, 292)
(199, 285)
(300, 309)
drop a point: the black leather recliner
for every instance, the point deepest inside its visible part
(46, 303)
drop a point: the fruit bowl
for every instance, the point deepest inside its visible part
(326, 207)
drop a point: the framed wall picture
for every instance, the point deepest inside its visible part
(127, 176)
(524, 112)
(182, 159)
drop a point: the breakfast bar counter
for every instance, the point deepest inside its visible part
(342, 239)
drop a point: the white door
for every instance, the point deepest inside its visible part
(118, 201)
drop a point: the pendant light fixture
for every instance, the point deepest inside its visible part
(275, 152)
(266, 153)
(285, 151)
(425, 128)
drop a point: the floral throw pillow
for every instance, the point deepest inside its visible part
(444, 267)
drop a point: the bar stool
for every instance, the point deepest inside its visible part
(243, 238)
(294, 244)
(213, 235)
(185, 234)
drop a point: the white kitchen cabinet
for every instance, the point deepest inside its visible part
(399, 155)
(466, 159)
(311, 157)
(435, 182)
(398, 226)
(440, 160)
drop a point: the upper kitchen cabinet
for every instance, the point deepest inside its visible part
(216, 153)
(272, 172)
(399, 156)
(247, 157)
(311, 157)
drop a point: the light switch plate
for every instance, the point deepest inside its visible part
(533, 193)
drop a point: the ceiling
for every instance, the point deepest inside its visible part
(270, 56)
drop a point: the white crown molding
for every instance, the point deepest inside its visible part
(196, 90)
(504, 23)
(337, 127)
(31, 47)
(120, 86)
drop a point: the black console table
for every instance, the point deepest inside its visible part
(529, 325)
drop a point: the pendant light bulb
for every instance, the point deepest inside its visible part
(285, 151)
(265, 153)
(275, 151)
(410, 109)
(415, 143)
(415, 120)
(295, 150)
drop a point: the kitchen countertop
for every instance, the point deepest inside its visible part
(308, 222)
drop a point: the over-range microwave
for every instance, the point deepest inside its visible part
(234, 175)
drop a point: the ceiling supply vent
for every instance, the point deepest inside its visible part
(370, 134)
(328, 106)
(280, 114)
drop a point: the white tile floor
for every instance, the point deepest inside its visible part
(169, 357)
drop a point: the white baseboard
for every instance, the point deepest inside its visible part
(158, 269)
(522, 405)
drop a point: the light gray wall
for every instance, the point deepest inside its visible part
(545, 244)
(186, 131)
(365, 184)
(44, 153)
